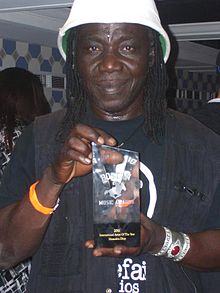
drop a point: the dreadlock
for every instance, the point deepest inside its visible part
(154, 91)
(76, 99)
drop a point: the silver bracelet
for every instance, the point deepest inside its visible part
(185, 248)
(179, 247)
(166, 244)
(176, 245)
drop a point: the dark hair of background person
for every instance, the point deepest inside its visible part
(154, 97)
(21, 100)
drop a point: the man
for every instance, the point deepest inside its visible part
(116, 82)
(209, 113)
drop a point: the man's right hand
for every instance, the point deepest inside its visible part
(75, 157)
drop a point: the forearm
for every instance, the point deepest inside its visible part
(204, 252)
(200, 252)
(22, 227)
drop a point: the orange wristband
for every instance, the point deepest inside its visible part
(37, 205)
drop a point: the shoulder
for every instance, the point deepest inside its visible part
(186, 129)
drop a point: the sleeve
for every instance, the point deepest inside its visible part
(213, 221)
(19, 174)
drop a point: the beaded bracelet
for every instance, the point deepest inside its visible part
(37, 205)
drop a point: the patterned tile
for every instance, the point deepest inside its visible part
(41, 60)
(2, 53)
(8, 61)
(22, 62)
(15, 55)
(9, 46)
(28, 57)
(34, 50)
(56, 54)
(46, 66)
(57, 96)
(22, 48)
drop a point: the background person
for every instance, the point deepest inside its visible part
(21, 100)
(209, 113)
(116, 84)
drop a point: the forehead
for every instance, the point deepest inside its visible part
(121, 29)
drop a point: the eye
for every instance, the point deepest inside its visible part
(128, 48)
(94, 49)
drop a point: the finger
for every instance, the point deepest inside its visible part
(111, 156)
(92, 134)
(89, 244)
(70, 156)
(79, 148)
(116, 251)
(108, 139)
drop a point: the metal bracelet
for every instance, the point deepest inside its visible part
(179, 247)
(166, 244)
(185, 248)
(176, 245)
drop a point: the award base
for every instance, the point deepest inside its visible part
(110, 235)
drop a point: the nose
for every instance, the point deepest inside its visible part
(110, 63)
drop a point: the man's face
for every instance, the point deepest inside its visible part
(113, 62)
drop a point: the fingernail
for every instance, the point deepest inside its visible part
(100, 139)
(90, 245)
(112, 141)
(88, 161)
(97, 253)
(117, 250)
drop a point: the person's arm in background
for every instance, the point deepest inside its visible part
(21, 226)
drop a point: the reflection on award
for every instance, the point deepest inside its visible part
(116, 196)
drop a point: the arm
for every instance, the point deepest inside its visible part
(21, 226)
(203, 255)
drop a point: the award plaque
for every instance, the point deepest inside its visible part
(116, 196)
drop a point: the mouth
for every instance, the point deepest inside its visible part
(111, 87)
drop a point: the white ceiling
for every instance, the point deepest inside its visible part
(38, 21)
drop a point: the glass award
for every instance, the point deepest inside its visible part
(116, 196)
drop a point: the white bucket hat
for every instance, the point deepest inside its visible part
(114, 11)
